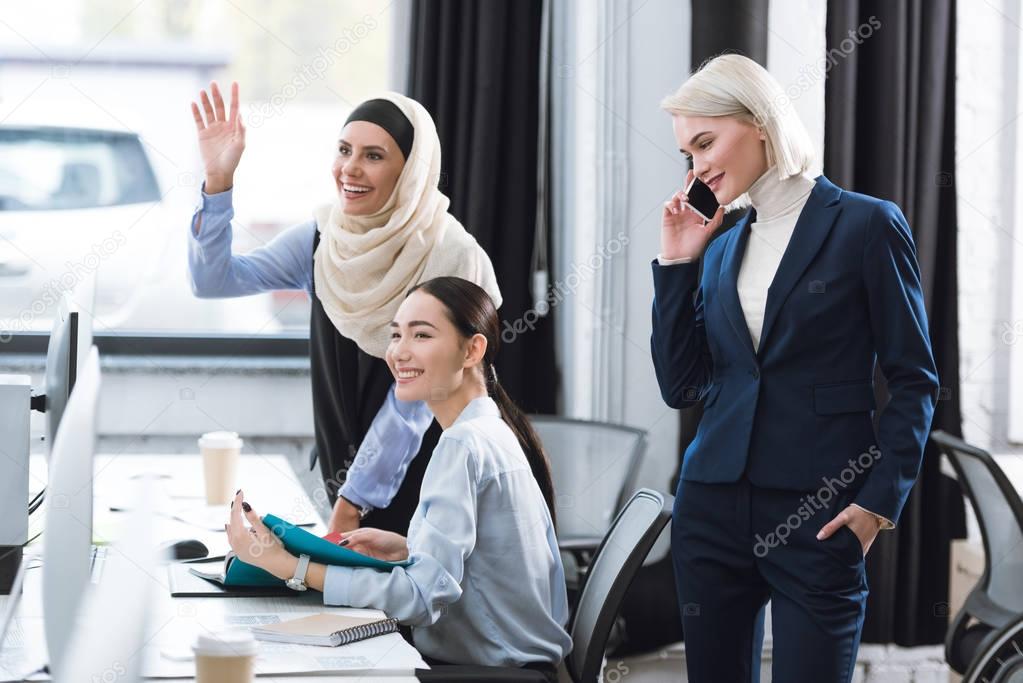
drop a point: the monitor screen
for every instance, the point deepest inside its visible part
(61, 365)
(67, 538)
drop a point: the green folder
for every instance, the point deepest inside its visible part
(297, 541)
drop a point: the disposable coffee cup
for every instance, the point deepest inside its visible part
(220, 452)
(225, 657)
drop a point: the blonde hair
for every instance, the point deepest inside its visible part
(733, 85)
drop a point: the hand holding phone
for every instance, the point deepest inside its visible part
(685, 228)
(701, 199)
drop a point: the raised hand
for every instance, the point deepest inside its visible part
(221, 137)
(683, 232)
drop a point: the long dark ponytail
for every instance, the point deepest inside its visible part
(472, 312)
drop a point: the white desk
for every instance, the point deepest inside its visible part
(271, 486)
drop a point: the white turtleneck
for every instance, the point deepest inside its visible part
(778, 204)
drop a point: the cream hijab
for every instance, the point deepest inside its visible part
(365, 265)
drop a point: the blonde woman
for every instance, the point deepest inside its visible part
(786, 484)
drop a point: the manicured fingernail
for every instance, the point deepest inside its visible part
(820, 535)
(246, 507)
(344, 542)
(232, 505)
(237, 492)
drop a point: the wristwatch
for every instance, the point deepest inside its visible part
(297, 582)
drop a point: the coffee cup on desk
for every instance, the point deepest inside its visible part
(220, 452)
(225, 657)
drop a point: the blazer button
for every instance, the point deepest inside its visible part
(755, 373)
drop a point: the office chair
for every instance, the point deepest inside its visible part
(997, 599)
(615, 563)
(594, 467)
(1002, 659)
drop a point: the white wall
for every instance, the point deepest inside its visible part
(658, 62)
(614, 165)
(989, 168)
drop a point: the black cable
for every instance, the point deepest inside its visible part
(37, 501)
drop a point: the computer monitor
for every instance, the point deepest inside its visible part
(69, 346)
(67, 537)
(112, 630)
(62, 358)
(83, 302)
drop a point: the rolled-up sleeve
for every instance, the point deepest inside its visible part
(441, 538)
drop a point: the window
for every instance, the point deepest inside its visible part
(99, 164)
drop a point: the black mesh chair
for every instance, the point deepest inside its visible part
(1001, 660)
(594, 467)
(997, 599)
(615, 563)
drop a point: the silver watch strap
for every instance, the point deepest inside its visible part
(302, 568)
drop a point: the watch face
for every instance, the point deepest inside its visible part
(296, 585)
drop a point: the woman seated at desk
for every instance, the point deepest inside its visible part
(486, 585)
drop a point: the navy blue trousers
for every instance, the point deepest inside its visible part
(735, 546)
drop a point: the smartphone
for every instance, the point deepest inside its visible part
(701, 199)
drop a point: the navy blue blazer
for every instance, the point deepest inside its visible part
(797, 413)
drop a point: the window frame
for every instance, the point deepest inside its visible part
(137, 343)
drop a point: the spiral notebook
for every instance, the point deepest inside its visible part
(324, 629)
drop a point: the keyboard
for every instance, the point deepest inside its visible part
(97, 561)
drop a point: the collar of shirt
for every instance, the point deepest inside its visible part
(773, 198)
(478, 407)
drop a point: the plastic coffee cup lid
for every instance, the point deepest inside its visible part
(235, 643)
(220, 440)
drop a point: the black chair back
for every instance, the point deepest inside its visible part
(614, 566)
(998, 596)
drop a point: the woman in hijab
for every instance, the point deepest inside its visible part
(387, 231)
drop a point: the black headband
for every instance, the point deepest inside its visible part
(388, 116)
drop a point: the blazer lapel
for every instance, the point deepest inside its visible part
(729, 276)
(812, 228)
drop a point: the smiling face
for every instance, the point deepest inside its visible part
(366, 168)
(430, 360)
(728, 154)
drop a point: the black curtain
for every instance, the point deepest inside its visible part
(890, 133)
(475, 66)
